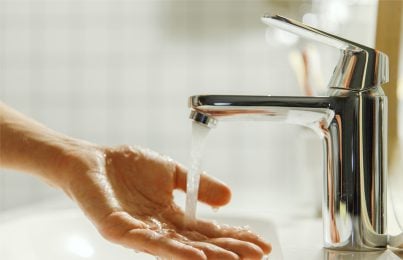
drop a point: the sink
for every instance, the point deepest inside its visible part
(67, 235)
(50, 232)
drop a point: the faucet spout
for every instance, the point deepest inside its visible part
(307, 111)
(203, 119)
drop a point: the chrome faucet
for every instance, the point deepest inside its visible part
(351, 120)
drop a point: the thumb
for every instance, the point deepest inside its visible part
(211, 191)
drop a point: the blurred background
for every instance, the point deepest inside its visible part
(120, 72)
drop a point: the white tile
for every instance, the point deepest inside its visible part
(57, 38)
(17, 41)
(58, 118)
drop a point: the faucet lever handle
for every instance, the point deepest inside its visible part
(359, 67)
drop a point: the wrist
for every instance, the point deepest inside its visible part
(69, 157)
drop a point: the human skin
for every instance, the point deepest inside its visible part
(127, 192)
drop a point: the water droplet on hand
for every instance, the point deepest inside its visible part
(215, 209)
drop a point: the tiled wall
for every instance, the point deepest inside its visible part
(120, 72)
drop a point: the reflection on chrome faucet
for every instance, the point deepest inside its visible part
(351, 120)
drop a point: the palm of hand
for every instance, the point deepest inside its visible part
(127, 193)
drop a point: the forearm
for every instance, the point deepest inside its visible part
(29, 146)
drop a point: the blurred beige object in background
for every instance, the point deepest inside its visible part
(388, 39)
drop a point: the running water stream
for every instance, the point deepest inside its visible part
(199, 135)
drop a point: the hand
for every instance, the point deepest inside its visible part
(127, 193)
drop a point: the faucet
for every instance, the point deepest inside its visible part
(352, 122)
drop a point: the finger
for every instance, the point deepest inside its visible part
(212, 251)
(151, 242)
(210, 229)
(245, 250)
(211, 191)
(214, 230)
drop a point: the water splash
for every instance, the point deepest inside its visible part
(199, 135)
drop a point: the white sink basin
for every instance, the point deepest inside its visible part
(65, 234)
(68, 235)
